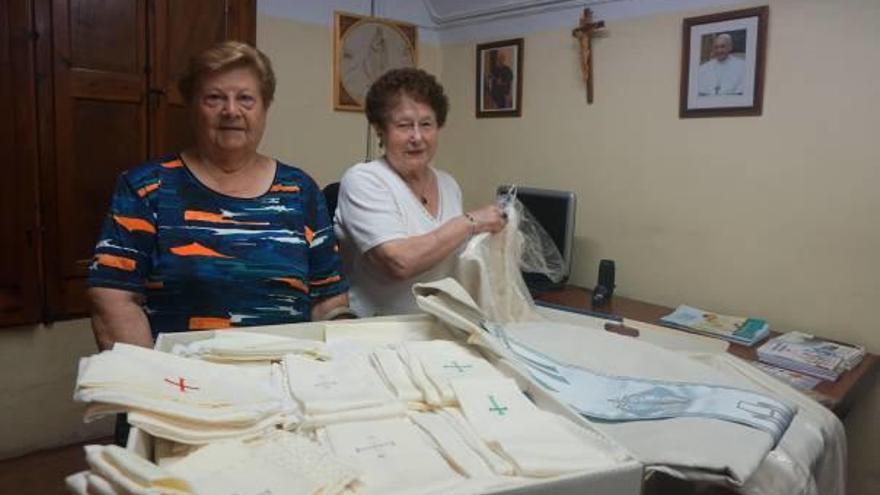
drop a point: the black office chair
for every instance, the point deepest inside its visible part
(331, 196)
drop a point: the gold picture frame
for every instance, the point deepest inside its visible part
(364, 48)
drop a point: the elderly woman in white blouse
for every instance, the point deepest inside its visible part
(400, 220)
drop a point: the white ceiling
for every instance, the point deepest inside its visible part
(452, 21)
(445, 12)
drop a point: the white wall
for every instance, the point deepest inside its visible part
(303, 129)
(770, 216)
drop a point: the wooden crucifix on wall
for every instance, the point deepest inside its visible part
(584, 33)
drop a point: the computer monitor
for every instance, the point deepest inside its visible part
(554, 210)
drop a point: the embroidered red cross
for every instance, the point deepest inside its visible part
(181, 383)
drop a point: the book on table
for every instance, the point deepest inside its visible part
(739, 329)
(811, 355)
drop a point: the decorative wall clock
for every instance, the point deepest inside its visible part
(364, 48)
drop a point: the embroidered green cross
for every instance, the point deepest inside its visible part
(459, 367)
(496, 407)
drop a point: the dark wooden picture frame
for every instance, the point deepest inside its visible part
(722, 64)
(499, 78)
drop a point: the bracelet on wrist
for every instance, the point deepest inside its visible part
(470, 218)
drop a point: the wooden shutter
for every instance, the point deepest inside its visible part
(19, 246)
(100, 129)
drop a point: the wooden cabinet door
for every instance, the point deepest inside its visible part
(100, 123)
(181, 30)
(19, 249)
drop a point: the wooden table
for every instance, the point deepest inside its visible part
(838, 396)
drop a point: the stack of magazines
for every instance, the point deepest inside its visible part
(737, 329)
(810, 355)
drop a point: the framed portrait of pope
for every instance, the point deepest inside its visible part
(722, 64)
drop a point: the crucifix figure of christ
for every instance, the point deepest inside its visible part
(584, 33)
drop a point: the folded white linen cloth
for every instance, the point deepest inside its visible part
(198, 433)
(231, 345)
(130, 377)
(434, 363)
(533, 440)
(394, 457)
(128, 473)
(456, 420)
(283, 462)
(88, 483)
(99, 486)
(77, 483)
(167, 452)
(395, 374)
(452, 446)
(339, 390)
(291, 414)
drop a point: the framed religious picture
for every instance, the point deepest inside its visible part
(499, 78)
(364, 48)
(722, 63)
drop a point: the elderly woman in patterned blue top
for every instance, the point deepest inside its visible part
(218, 235)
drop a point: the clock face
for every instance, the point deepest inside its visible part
(369, 49)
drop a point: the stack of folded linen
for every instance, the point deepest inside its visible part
(433, 365)
(460, 444)
(113, 470)
(396, 376)
(339, 390)
(185, 400)
(236, 346)
(282, 462)
(535, 442)
(393, 454)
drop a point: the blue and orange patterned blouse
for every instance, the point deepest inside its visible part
(206, 260)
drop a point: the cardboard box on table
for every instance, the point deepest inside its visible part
(622, 478)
